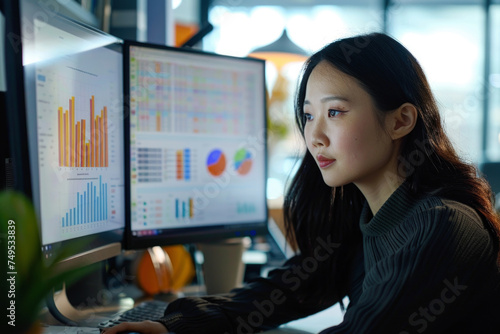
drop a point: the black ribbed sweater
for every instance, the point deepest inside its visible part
(425, 265)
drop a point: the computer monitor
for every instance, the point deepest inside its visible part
(73, 78)
(196, 162)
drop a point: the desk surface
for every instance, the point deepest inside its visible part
(312, 324)
(89, 330)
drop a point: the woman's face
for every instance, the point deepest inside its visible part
(342, 131)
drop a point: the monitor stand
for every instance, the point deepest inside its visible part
(87, 303)
(223, 267)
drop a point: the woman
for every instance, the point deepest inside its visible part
(383, 210)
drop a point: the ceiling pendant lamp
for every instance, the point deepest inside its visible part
(281, 51)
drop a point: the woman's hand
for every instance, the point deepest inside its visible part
(144, 327)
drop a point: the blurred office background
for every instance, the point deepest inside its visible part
(456, 41)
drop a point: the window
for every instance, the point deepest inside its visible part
(450, 49)
(446, 36)
(493, 132)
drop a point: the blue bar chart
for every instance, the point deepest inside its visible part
(91, 205)
(184, 208)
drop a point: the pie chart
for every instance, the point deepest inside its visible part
(216, 162)
(242, 161)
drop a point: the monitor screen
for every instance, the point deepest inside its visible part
(197, 155)
(74, 103)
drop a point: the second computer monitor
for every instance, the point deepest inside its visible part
(197, 157)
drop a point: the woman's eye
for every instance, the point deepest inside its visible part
(308, 117)
(333, 113)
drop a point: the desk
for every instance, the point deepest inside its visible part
(312, 324)
(88, 330)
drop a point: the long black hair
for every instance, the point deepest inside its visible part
(392, 76)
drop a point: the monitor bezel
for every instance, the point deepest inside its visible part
(212, 233)
(14, 98)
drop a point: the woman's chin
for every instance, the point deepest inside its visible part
(335, 183)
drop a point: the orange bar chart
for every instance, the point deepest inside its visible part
(75, 150)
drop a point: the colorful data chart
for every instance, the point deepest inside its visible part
(183, 164)
(184, 208)
(242, 161)
(171, 96)
(75, 150)
(91, 205)
(179, 164)
(216, 162)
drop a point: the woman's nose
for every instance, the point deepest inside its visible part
(318, 134)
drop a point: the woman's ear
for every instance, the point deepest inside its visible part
(401, 121)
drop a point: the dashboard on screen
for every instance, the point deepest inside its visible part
(74, 100)
(197, 156)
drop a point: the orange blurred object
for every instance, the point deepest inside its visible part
(279, 59)
(158, 273)
(183, 32)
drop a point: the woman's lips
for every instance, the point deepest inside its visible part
(324, 162)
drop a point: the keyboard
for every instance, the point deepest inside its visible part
(148, 310)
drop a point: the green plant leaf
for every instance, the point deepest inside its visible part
(33, 276)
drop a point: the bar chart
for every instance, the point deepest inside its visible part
(75, 150)
(152, 211)
(184, 208)
(79, 126)
(91, 205)
(180, 164)
(183, 164)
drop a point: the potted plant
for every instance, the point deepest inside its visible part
(27, 277)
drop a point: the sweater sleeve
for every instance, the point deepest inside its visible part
(263, 303)
(441, 279)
